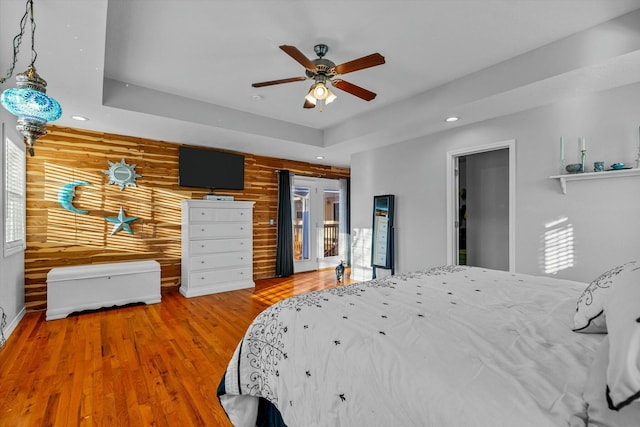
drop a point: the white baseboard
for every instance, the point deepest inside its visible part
(215, 288)
(11, 326)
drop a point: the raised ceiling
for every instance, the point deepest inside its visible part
(181, 70)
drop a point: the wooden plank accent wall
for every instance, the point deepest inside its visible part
(57, 237)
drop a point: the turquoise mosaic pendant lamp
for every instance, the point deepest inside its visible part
(29, 100)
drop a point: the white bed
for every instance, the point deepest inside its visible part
(449, 346)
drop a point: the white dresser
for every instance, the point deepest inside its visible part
(217, 246)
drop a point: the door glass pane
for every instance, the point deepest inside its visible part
(331, 205)
(301, 226)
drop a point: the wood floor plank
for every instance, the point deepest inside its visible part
(140, 365)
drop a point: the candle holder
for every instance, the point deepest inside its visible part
(583, 158)
(574, 168)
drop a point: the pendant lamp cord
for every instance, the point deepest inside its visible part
(17, 40)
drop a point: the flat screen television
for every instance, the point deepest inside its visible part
(210, 169)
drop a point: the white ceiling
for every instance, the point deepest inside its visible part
(181, 70)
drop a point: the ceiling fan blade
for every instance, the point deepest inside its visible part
(277, 82)
(308, 104)
(293, 52)
(360, 63)
(362, 93)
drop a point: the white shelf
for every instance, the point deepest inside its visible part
(563, 179)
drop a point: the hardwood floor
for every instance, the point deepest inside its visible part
(142, 365)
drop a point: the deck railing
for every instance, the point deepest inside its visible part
(330, 239)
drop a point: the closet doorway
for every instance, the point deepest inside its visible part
(481, 206)
(317, 216)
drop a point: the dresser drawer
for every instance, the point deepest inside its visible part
(220, 276)
(220, 260)
(220, 230)
(199, 247)
(217, 215)
(217, 246)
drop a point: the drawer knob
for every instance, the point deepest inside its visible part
(241, 258)
(202, 246)
(201, 262)
(201, 213)
(241, 228)
(202, 278)
(203, 229)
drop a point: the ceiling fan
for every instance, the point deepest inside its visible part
(322, 70)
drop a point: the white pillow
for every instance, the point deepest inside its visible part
(595, 395)
(589, 316)
(622, 311)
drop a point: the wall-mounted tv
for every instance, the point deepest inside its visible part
(210, 169)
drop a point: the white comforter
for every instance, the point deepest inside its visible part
(451, 346)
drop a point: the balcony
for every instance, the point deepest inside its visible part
(330, 239)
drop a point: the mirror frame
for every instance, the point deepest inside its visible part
(382, 247)
(116, 168)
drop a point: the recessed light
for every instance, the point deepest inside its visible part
(80, 118)
(319, 157)
(452, 119)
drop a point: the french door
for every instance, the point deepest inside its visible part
(316, 223)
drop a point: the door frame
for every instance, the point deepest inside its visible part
(452, 196)
(317, 185)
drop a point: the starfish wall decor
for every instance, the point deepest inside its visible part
(121, 222)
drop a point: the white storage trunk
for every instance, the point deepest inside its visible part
(89, 287)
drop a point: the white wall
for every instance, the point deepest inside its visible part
(603, 215)
(11, 267)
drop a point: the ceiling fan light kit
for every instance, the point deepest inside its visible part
(320, 91)
(322, 70)
(310, 101)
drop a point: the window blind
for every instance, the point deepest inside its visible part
(15, 197)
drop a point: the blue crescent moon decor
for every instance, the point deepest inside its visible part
(66, 195)
(121, 222)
